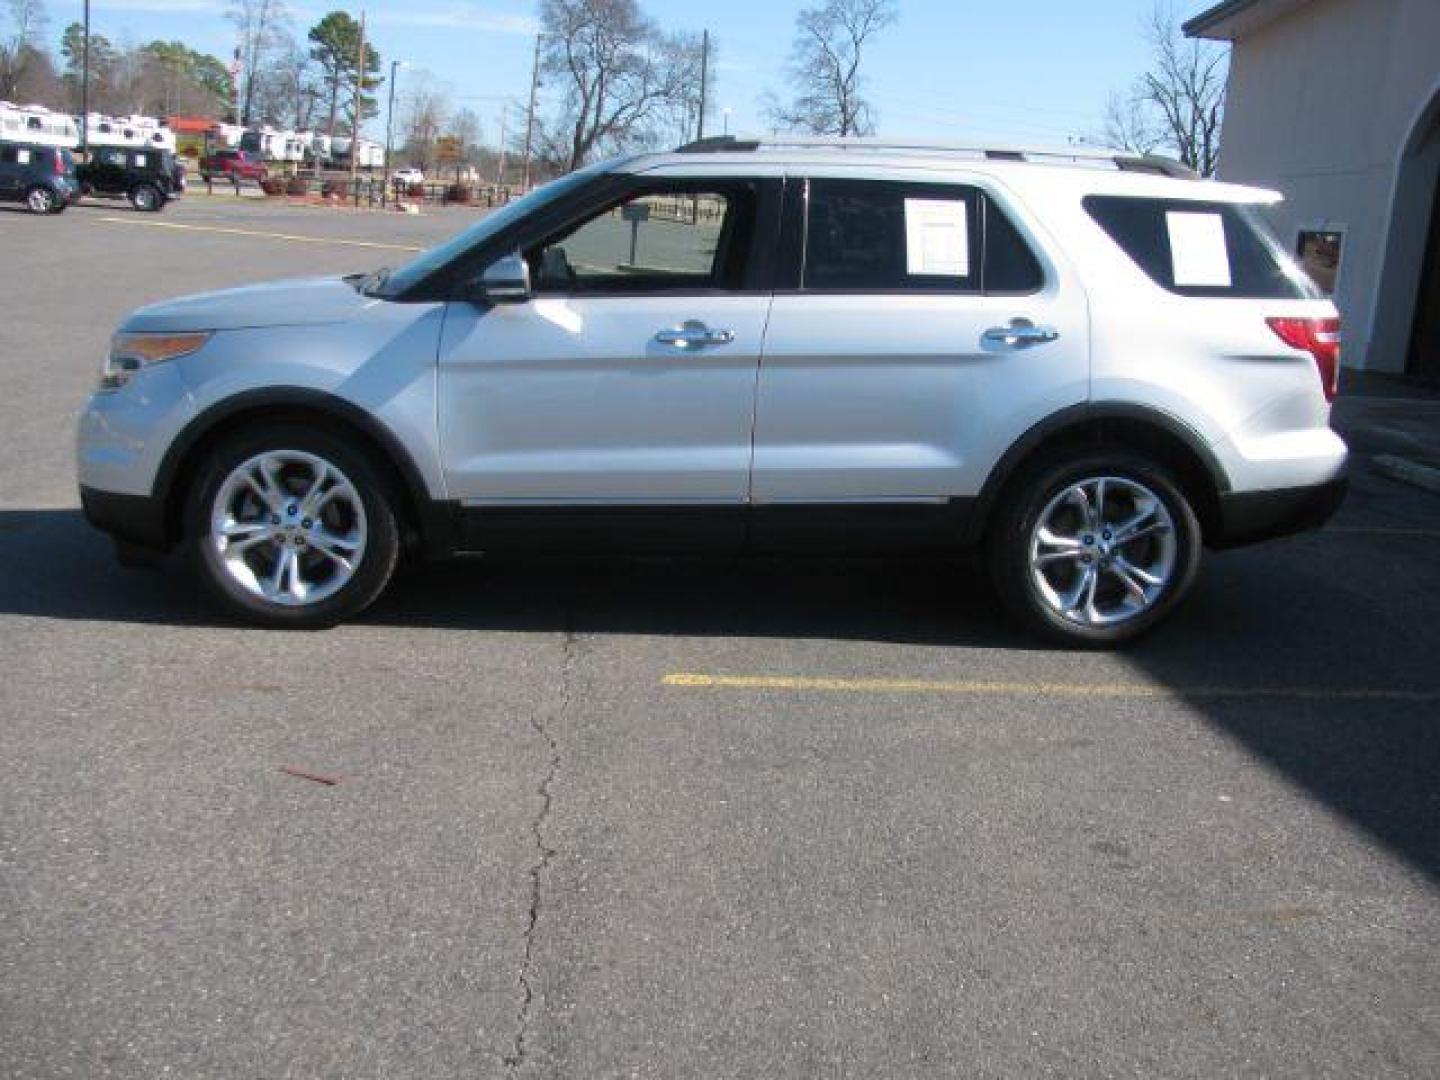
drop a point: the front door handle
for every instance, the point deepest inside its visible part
(1019, 333)
(693, 334)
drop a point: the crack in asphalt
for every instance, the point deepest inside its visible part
(515, 1059)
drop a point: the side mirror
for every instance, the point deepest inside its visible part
(506, 280)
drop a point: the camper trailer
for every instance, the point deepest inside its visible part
(37, 125)
(128, 132)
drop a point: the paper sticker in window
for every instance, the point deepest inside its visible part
(937, 238)
(1198, 254)
(140, 158)
(22, 157)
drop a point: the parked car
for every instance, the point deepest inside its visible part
(41, 177)
(407, 176)
(233, 165)
(1084, 367)
(148, 177)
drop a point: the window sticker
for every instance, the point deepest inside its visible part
(140, 159)
(22, 157)
(1198, 254)
(937, 237)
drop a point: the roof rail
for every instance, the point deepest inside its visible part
(1119, 159)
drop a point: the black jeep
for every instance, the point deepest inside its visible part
(148, 177)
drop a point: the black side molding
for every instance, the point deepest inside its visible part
(132, 519)
(1247, 517)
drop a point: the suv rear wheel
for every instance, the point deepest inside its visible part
(41, 200)
(292, 527)
(1096, 550)
(146, 197)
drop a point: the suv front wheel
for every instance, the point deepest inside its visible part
(1096, 550)
(292, 527)
(146, 197)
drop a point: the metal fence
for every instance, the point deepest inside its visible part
(372, 191)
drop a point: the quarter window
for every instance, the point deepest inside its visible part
(661, 241)
(1201, 248)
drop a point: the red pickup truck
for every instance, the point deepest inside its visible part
(233, 165)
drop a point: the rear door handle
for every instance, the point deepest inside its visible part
(1019, 333)
(694, 335)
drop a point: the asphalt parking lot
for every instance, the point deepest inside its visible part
(685, 819)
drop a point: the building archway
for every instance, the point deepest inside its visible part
(1405, 325)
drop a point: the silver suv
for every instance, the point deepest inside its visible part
(1083, 365)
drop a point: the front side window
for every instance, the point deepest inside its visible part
(660, 241)
(880, 236)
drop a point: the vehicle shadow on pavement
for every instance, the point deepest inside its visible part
(72, 574)
(1273, 617)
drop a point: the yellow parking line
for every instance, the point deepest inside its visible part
(255, 232)
(984, 688)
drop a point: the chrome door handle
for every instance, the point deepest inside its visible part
(1020, 332)
(694, 335)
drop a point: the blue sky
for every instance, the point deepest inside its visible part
(1022, 70)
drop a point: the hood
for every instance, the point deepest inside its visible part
(298, 302)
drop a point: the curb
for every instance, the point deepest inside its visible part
(1409, 472)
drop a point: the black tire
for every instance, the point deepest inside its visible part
(1016, 519)
(146, 198)
(42, 200)
(382, 542)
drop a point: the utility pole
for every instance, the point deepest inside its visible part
(530, 113)
(85, 87)
(704, 81)
(389, 126)
(500, 167)
(359, 100)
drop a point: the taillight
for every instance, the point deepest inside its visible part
(59, 163)
(1321, 339)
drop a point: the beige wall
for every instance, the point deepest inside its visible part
(1321, 103)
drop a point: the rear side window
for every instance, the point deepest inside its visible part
(1201, 248)
(898, 236)
(881, 236)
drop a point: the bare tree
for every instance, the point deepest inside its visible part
(825, 63)
(1129, 126)
(260, 25)
(290, 88)
(1179, 104)
(423, 118)
(22, 49)
(621, 75)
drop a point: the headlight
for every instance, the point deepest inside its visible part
(131, 352)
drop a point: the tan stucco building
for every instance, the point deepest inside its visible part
(1337, 104)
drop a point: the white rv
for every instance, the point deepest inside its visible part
(37, 124)
(128, 131)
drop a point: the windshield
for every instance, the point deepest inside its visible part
(427, 262)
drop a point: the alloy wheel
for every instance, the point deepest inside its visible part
(289, 527)
(1103, 551)
(40, 200)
